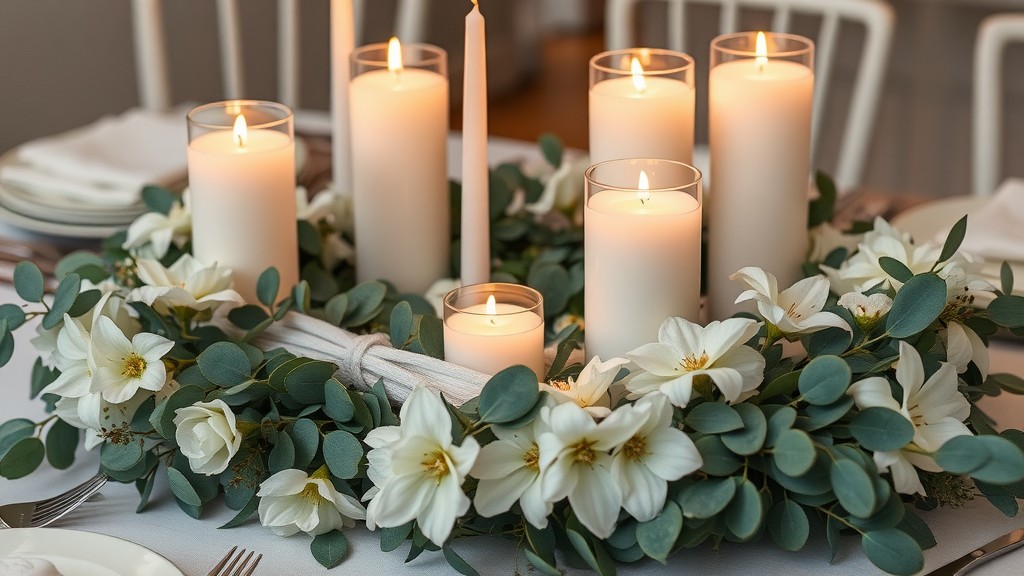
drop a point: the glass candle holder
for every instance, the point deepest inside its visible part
(641, 105)
(398, 101)
(642, 231)
(489, 327)
(241, 171)
(760, 103)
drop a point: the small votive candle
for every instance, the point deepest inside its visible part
(489, 327)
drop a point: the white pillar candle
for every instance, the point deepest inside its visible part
(760, 135)
(342, 43)
(489, 327)
(399, 113)
(241, 170)
(475, 267)
(642, 251)
(641, 105)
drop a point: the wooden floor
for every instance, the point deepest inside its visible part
(555, 100)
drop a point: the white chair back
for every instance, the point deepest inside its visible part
(994, 34)
(875, 15)
(151, 54)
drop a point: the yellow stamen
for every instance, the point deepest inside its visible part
(691, 363)
(435, 466)
(583, 452)
(133, 366)
(532, 458)
(635, 448)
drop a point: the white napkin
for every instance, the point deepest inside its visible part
(27, 567)
(107, 162)
(996, 230)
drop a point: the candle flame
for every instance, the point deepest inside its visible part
(476, 4)
(761, 51)
(394, 55)
(241, 131)
(491, 307)
(643, 188)
(638, 75)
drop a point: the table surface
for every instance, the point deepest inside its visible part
(195, 545)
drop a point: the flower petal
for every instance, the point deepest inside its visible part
(596, 501)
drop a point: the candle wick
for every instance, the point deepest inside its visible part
(493, 323)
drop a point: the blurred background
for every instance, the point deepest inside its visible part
(64, 63)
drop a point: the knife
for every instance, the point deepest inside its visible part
(983, 553)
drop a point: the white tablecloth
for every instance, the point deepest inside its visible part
(195, 545)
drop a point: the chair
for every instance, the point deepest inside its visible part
(875, 15)
(994, 34)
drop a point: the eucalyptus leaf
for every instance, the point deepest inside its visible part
(508, 395)
(823, 207)
(392, 538)
(364, 303)
(28, 282)
(824, 380)
(337, 402)
(121, 457)
(61, 443)
(718, 460)
(853, 487)
(267, 286)
(788, 525)
(22, 458)
(881, 429)
(1007, 310)
(63, 300)
(282, 455)
(794, 452)
(181, 488)
(305, 382)
(244, 513)
(707, 497)
(224, 364)
(953, 240)
(330, 548)
(657, 537)
(540, 564)
(894, 268)
(551, 148)
(918, 303)
(77, 260)
(158, 199)
(342, 453)
(13, 315)
(749, 439)
(457, 562)
(745, 513)
(714, 418)
(893, 551)
(248, 317)
(1006, 277)
(401, 324)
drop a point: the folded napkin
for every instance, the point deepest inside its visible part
(27, 567)
(107, 162)
(995, 231)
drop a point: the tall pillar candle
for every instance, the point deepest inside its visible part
(342, 44)
(241, 170)
(489, 327)
(399, 113)
(760, 98)
(642, 227)
(475, 257)
(641, 105)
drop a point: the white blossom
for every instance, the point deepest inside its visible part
(685, 351)
(188, 283)
(862, 271)
(509, 471)
(825, 238)
(124, 366)
(563, 189)
(589, 390)
(292, 501)
(438, 290)
(207, 435)
(795, 310)
(152, 233)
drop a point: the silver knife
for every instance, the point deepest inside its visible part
(983, 553)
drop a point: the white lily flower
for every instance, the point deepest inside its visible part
(935, 407)
(124, 366)
(797, 309)
(426, 470)
(964, 346)
(73, 359)
(862, 271)
(292, 501)
(866, 310)
(330, 206)
(655, 455)
(509, 470)
(576, 462)
(188, 283)
(207, 435)
(589, 390)
(563, 189)
(151, 234)
(825, 238)
(685, 351)
(438, 290)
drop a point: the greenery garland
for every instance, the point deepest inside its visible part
(782, 422)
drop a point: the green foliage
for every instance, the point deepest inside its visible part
(329, 549)
(918, 303)
(508, 395)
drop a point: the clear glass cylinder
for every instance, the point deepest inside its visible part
(258, 114)
(778, 46)
(419, 56)
(641, 105)
(489, 327)
(642, 241)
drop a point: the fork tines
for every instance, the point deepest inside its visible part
(224, 568)
(48, 511)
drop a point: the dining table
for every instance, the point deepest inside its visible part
(195, 545)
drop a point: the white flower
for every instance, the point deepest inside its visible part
(99, 418)
(566, 320)
(563, 189)
(186, 284)
(797, 309)
(964, 346)
(426, 470)
(576, 462)
(438, 290)
(73, 359)
(685, 351)
(330, 206)
(935, 407)
(590, 389)
(825, 238)
(655, 455)
(509, 470)
(862, 271)
(866, 310)
(207, 434)
(151, 234)
(292, 501)
(124, 366)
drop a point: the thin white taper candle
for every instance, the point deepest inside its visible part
(342, 43)
(476, 244)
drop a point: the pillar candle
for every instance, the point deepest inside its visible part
(760, 135)
(399, 114)
(476, 242)
(242, 182)
(342, 43)
(489, 327)
(641, 105)
(642, 229)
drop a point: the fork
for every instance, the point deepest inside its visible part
(223, 568)
(44, 512)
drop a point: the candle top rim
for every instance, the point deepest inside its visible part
(528, 299)
(722, 44)
(657, 87)
(376, 55)
(686, 61)
(647, 208)
(590, 177)
(238, 107)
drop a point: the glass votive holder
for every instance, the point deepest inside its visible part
(641, 105)
(241, 172)
(489, 327)
(642, 231)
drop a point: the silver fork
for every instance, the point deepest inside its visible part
(43, 512)
(223, 568)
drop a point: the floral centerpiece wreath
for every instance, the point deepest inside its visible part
(847, 404)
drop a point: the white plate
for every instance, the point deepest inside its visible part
(76, 553)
